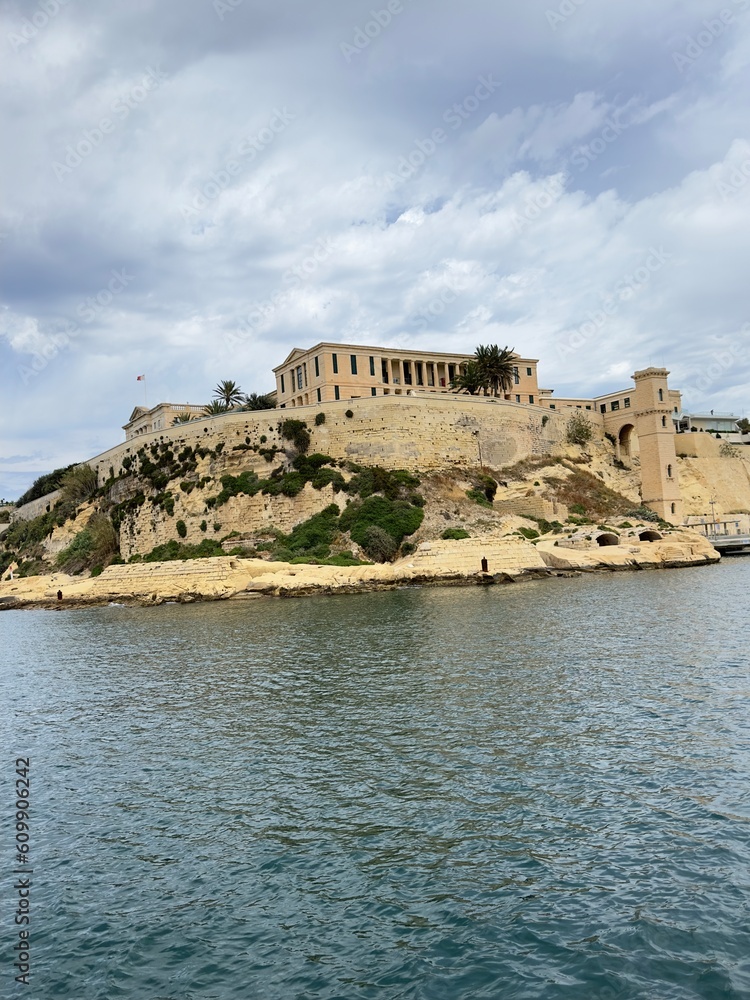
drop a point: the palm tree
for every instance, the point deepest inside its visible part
(214, 408)
(469, 380)
(183, 418)
(256, 401)
(496, 366)
(229, 393)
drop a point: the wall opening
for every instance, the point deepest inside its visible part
(650, 536)
(607, 538)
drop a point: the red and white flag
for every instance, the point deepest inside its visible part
(140, 378)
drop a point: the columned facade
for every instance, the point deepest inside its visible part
(329, 371)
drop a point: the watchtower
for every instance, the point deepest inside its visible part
(655, 429)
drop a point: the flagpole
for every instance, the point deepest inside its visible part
(145, 393)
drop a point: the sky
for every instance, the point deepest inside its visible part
(191, 189)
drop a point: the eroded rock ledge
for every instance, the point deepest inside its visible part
(440, 562)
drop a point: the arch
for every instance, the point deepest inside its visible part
(649, 536)
(607, 538)
(627, 439)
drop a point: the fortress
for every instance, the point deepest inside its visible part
(404, 413)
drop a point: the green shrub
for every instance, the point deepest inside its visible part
(579, 429)
(417, 500)
(296, 431)
(578, 508)
(379, 545)
(217, 527)
(45, 484)
(528, 533)
(97, 570)
(78, 484)
(397, 517)
(545, 420)
(181, 529)
(455, 533)
(478, 497)
(263, 439)
(203, 526)
(407, 548)
(320, 418)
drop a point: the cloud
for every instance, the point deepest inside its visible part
(524, 221)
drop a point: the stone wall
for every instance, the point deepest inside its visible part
(34, 508)
(533, 507)
(419, 432)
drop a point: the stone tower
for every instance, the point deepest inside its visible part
(653, 419)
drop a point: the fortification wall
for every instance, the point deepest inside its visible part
(393, 431)
(34, 508)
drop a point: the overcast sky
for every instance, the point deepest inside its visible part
(190, 189)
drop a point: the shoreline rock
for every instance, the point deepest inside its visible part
(437, 563)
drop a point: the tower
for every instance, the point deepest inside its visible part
(653, 418)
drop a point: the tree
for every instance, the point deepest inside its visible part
(496, 367)
(78, 484)
(229, 393)
(744, 425)
(183, 418)
(469, 380)
(214, 408)
(255, 401)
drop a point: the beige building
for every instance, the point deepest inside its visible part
(158, 418)
(329, 372)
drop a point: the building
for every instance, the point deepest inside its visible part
(714, 423)
(158, 418)
(328, 372)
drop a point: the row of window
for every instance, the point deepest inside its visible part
(416, 372)
(615, 405)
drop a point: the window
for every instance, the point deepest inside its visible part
(335, 364)
(661, 395)
(552, 406)
(384, 369)
(420, 372)
(407, 372)
(531, 399)
(674, 508)
(664, 421)
(626, 402)
(283, 390)
(353, 359)
(615, 405)
(669, 472)
(319, 396)
(603, 408)
(372, 367)
(374, 391)
(451, 372)
(304, 367)
(299, 376)
(588, 407)
(317, 368)
(529, 371)
(518, 398)
(336, 393)
(516, 376)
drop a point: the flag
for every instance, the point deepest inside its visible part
(141, 378)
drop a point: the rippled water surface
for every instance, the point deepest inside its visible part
(538, 790)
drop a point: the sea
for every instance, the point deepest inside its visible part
(537, 790)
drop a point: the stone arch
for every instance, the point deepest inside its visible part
(649, 535)
(607, 538)
(627, 440)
